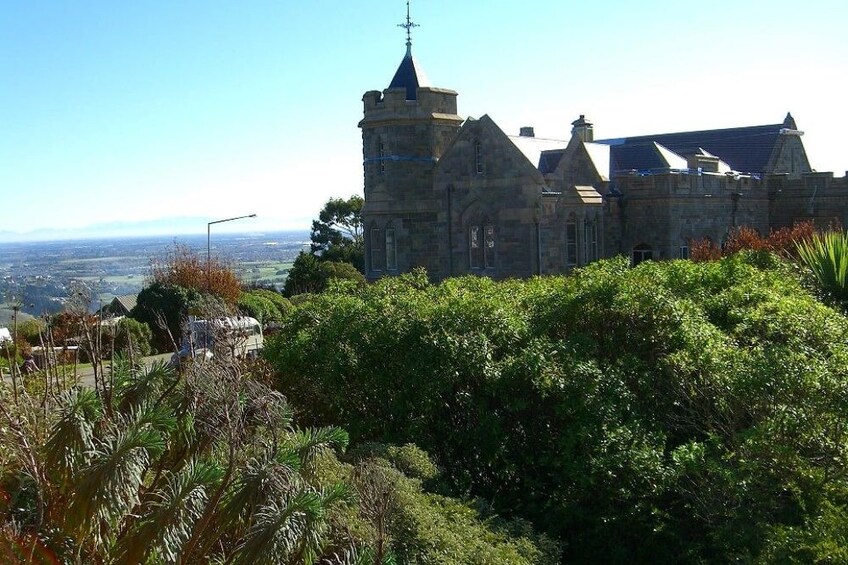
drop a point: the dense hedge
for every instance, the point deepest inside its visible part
(671, 412)
(264, 305)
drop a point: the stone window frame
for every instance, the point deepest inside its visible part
(381, 155)
(488, 244)
(376, 251)
(683, 251)
(641, 252)
(482, 244)
(571, 243)
(475, 247)
(390, 258)
(478, 157)
(590, 239)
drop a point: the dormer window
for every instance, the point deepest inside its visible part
(478, 157)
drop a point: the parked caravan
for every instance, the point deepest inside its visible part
(237, 337)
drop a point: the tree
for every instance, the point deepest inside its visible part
(184, 268)
(180, 285)
(337, 233)
(310, 275)
(163, 308)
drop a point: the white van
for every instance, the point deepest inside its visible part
(236, 337)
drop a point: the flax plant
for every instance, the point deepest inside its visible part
(826, 255)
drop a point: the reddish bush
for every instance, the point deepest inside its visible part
(781, 241)
(184, 268)
(703, 250)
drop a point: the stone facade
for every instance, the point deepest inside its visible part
(462, 197)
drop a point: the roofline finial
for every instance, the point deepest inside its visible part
(408, 27)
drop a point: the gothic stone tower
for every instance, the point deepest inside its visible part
(405, 130)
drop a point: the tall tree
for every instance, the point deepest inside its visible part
(337, 234)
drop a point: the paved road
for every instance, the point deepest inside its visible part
(87, 373)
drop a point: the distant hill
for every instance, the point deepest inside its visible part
(6, 316)
(164, 226)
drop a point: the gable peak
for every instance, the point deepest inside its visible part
(789, 121)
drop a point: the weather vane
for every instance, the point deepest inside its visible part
(408, 26)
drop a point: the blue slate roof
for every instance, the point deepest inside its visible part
(409, 76)
(643, 156)
(745, 149)
(549, 160)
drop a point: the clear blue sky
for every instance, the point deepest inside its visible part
(132, 111)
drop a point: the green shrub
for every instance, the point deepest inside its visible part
(311, 275)
(676, 411)
(130, 336)
(264, 305)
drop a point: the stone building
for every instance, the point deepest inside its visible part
(459, 196)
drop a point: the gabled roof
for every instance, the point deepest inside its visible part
(722, 166)
(409, 76)
(598, 153)
(486, 129)
(744, 149)
(535, 148)
(549, 160)
(600, 156)
(644, 156)
(123, 304)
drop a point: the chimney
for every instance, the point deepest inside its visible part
(526, 131)
(703, 163)
(582, 128)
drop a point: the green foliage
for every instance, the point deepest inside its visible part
(139, 477)
(206, 467)
(672, 412)
(131, 336)
(281, 302)
(264, 305)
(30, 330)
(304, 276)
(341, 271)
(309, 275)
(406, 524)
(827, 256)
(163, 308)
(337, 233)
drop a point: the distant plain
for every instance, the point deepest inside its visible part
(38, 276)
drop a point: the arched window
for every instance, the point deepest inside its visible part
(377, 253)
(571, 241)
(481, 245)
(489, 245)
(478, 157)
(391, 249)
(590, 239)
(642, 252)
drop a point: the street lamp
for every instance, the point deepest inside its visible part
(209, 241)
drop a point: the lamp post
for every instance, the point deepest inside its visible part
(209, 242)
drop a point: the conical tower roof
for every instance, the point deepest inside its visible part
(409, 76)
